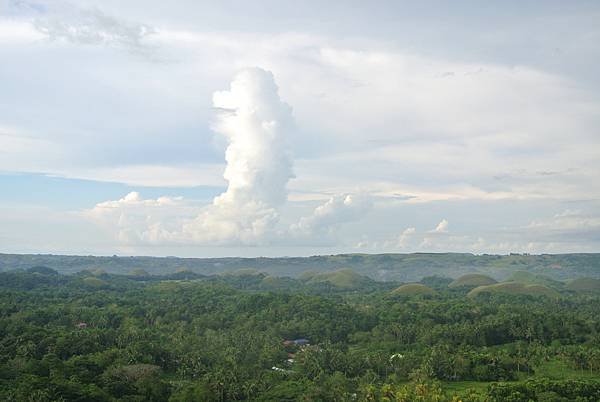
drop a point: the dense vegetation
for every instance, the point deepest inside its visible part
(94, 336)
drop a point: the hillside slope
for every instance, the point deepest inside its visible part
(472, 281)
(515, 288)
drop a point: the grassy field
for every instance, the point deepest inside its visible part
(559, 370)
(554, 369)
(452, 388)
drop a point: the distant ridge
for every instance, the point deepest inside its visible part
(380, 267)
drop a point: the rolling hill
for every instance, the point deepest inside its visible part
(515, 288)
(529, 278)
(583, 285)
(343, 279)
(413, 289)
(472, 281)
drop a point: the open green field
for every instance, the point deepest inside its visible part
(554, 369)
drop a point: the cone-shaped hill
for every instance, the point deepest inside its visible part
(515, 288)
(343, 279)
(583, 285)
(413, 289)
(529, 278)
(138, 273)
(472, 281)
(275, 282)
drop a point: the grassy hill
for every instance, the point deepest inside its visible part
(307, 275)
(343, 279)
(530, 278)
(272, 281)
(244, 272)
(583, 285)
(278, 283)
(98, 272)
(472, 281)
(515, 288)
(413, 289)
(93, 282)
(141, 273)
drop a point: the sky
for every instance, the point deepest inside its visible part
(272, 128)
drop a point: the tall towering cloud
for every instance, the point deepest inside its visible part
(254, 121)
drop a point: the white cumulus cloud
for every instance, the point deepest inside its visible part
(133, 219)
(328, 216)
(442, 227)
(406, 237)
(254, 121)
